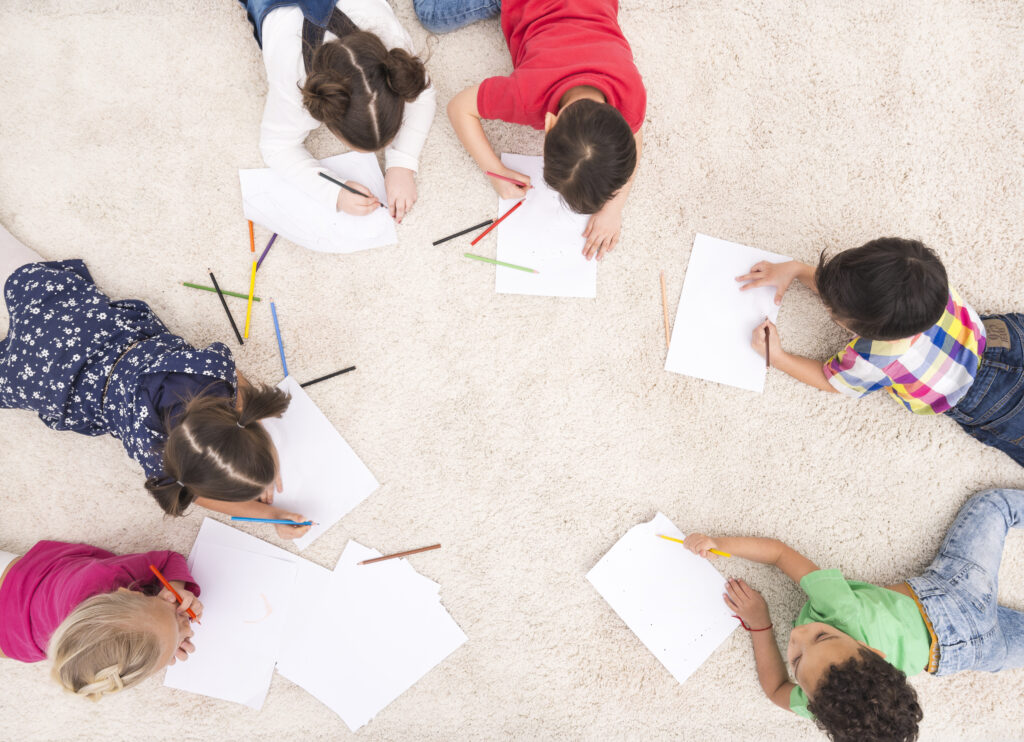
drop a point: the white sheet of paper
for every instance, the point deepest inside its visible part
(715, 320)
(375, 634)
(322, 476)
(268, 200)
(670, 597)
(544, 235)
(246, 602)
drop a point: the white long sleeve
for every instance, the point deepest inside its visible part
(286, 122)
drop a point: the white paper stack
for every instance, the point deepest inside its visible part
(322, 477)
(544, 235)
(268, 200)
(715, 320)
(355, 638)
(670, 597)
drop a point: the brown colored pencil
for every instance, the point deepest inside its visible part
(401, 554)
(664, 307)
(767, 349)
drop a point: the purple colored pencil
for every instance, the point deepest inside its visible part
(265, 251)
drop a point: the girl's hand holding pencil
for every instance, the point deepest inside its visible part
(358, 204)
(290, 532)
(188, 600)
(702, 545)
(507, 182)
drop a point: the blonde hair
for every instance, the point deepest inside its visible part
(100, 649)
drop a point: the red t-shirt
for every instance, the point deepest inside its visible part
(557, 45)
(44, 586)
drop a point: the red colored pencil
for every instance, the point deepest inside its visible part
(169, 586)
(497, 222)
(252, 239)
(519, 183)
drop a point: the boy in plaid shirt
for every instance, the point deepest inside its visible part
(914, 337)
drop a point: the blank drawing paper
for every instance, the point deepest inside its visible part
(378, 630)
(544, 235)
(268, 200)
(670, 597)
(322, 477)
(246, 599)
(715, 320)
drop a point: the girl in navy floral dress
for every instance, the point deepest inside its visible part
(94, 366)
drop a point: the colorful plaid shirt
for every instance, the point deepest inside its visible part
(928, 373)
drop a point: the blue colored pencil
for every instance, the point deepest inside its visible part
(277, 330)
(273, 520)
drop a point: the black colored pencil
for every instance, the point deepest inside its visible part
(459, 234)
(227, 311)
(348, 188)
(330, 376)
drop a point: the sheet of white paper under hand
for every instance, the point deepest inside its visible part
(375, 634)
(669, 597)
(715, 320)
(544, 235)
(246, 600)
(278, 206)
(323, 478)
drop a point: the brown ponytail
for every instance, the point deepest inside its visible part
(219, 452)
(359, 89)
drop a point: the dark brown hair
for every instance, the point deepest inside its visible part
(358, 89)
(886, 289)
(865, 699)
(589, 154)
(218, 452)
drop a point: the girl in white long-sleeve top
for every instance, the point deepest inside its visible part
(347, 65)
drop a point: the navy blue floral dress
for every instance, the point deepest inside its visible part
(65, 339)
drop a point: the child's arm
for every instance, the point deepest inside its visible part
(801, 368)
(465, 118)
(604, 227)
(779, 275)
(257, 509)
(764, 550)
(750, 606)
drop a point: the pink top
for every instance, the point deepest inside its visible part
(44, 586)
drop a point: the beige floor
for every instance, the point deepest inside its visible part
(528, 434)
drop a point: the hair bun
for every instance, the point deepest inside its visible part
(326, 94)
(406, 74)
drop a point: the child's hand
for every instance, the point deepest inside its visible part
(757, 340)
(747, 603)
(506, 189)
(290, 532)
(700, 544)
(400, 184)
(350, 203)
(184, 650)
(779, 275)
(602, 231)
(188, 600)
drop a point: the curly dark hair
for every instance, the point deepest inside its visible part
(865, 699)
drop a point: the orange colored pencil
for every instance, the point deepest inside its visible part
(252, 239)
(169, 586)
(498, 221)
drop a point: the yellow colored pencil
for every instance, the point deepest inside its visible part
(248, 309)
(680, 541)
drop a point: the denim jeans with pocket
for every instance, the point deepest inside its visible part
(440, 16)
(959, 589)
(993, 408)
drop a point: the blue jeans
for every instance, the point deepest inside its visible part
(959, 589)
(317, 11)
(993, 408)
(441, 16)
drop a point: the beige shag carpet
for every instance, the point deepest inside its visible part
(528, 434)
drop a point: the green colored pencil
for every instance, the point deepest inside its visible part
(498, 262)
(226, 293)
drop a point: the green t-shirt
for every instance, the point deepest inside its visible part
(881, 618)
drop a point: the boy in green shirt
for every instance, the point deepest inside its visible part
(854, 644)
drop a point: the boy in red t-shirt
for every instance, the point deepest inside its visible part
(574, 77)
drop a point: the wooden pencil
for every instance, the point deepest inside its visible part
(227, 311)
(248, 309)
(497, 222)
(177, 596)
(265, 251)
(767, 349)
(329, 376)
(400, 554)
(464, 231)
(507, 179)
(664, 308)
(214, 291)
(252, 238)
(348, 188)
